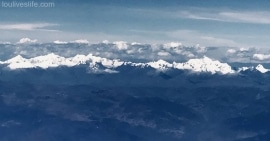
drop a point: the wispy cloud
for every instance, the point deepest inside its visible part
(190, 37)
(211, 14)
(255, 17)
(28, 26)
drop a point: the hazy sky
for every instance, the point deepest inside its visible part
(243, 23)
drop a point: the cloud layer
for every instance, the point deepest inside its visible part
(135, 52)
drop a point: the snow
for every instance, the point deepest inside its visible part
(47, 61)
(52, 60)
(205, 65)
(44, 62)
(111, 63)
(160, 65)
(78, 59)
(244, 69)
(261, 69)
(18, 62)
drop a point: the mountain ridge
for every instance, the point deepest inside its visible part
(52, 60)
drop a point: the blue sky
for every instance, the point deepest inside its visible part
(242, 23)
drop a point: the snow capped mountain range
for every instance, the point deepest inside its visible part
(52, 60)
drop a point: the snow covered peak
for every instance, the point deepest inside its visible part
(244, 69)
(160, 65)
(49, 56)
(205, 65)
(53, 60)
(17, 58)
(79, 59)
(50, 60)
(18, 62)
(261, 69)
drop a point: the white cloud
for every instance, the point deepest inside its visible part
(5, 43)
(247, 17)
(190, 55)
(197, 15)
(135, 43)
(218, 41)
(163, 53)
(191, 37)
(176, 47)
(121, 45)
(141, 52)
(261, 57)
(105, 42)
(81, 41)
(244, 49)
(231, 51)
(256, 17)
(26, 41)
(27, 26)
(59, 42)
(172, 45)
